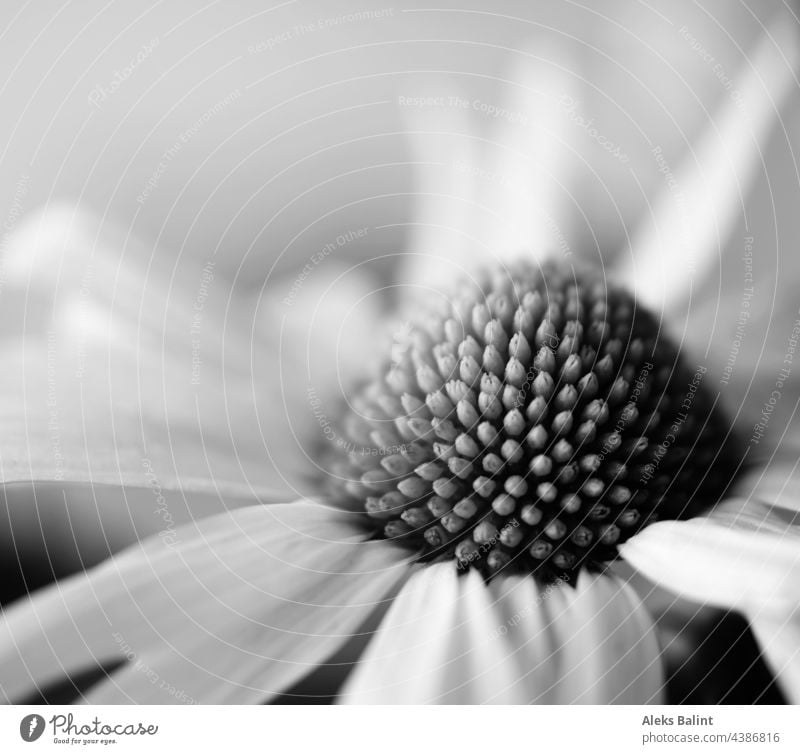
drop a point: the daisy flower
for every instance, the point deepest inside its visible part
(521, 432)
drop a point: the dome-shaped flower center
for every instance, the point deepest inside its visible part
(533, 423)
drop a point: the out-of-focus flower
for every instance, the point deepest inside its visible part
(240, 606)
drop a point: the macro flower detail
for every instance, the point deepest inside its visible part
(503, 509)
(535, 421)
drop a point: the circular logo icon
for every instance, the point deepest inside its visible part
(31, 727)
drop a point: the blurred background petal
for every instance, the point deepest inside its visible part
(143, 389)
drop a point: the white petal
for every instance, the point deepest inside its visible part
(126, 354)
(703, 197)
(739, 556)
(745, 555)
(235, 608)
(487, 195)
(451, 639)
(779, 637)
(133, 367)
(610, 651)
(742, 320)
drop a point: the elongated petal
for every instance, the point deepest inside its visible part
(742, 555)
(491, 194)
(235, 608)
(780, 639)
(693, 218)
(127, 362)
(743, 325)
(610, 652)
(451, 639)
(131, 366)
(721, 259)
(745, 555)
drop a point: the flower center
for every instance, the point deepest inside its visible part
(533, 423)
